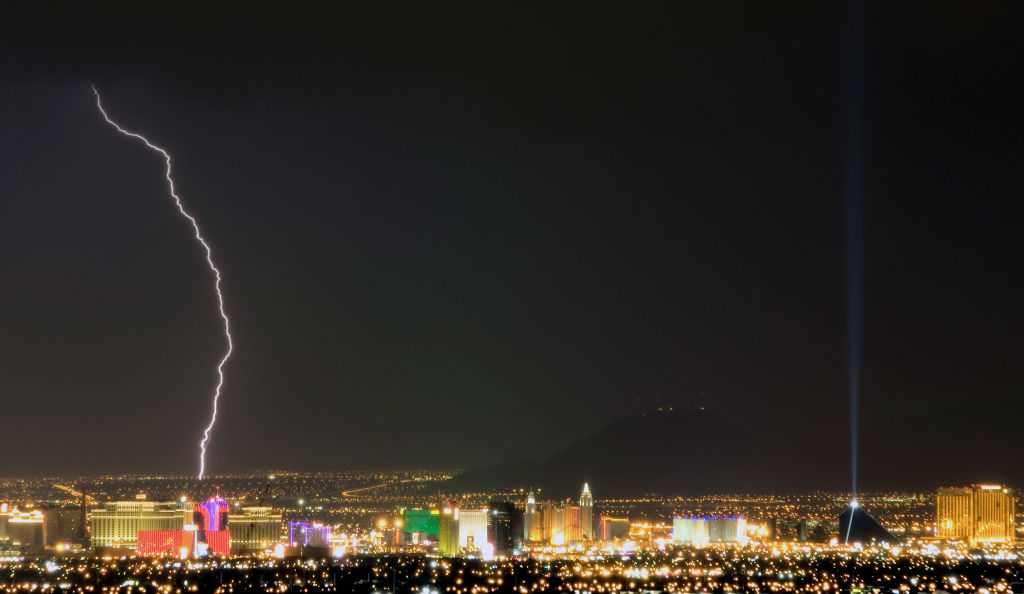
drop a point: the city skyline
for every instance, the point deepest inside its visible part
(409, 532)
(51, 517)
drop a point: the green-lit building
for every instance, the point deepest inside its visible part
(420, 526)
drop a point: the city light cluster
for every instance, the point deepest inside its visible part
(477, 542)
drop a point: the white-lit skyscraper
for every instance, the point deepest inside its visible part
(586, 513)
(472, 528)
(531, 520)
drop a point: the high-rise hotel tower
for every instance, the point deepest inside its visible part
(533, 526)
(979, 513)
(586, 513)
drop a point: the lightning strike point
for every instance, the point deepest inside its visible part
(209, 260)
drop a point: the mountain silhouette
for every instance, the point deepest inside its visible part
(697, 452)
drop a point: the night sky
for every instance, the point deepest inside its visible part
(453, 235)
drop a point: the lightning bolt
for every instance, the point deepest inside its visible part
(209, 261)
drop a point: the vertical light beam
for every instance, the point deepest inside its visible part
(852, 107)
(209, 261)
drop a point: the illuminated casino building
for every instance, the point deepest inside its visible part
(551, 520)
(26, 530)
(420, 526)
(857, 526)
(979, 513)
(212, 515)
(254, 528)
(472, 528)
(117, 524)
(5, 513)
(702, 531)
(614, 528)
(727, 529)
(181, 543)
(689, 531)
(448, 531)
(559, 523)
(309, 534)
(572, 525)
(206, 534)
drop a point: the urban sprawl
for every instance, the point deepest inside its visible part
(402, 531)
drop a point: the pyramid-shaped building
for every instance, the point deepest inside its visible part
(855, 525)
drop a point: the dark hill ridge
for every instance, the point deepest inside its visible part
(664, 451)
(697, 452)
